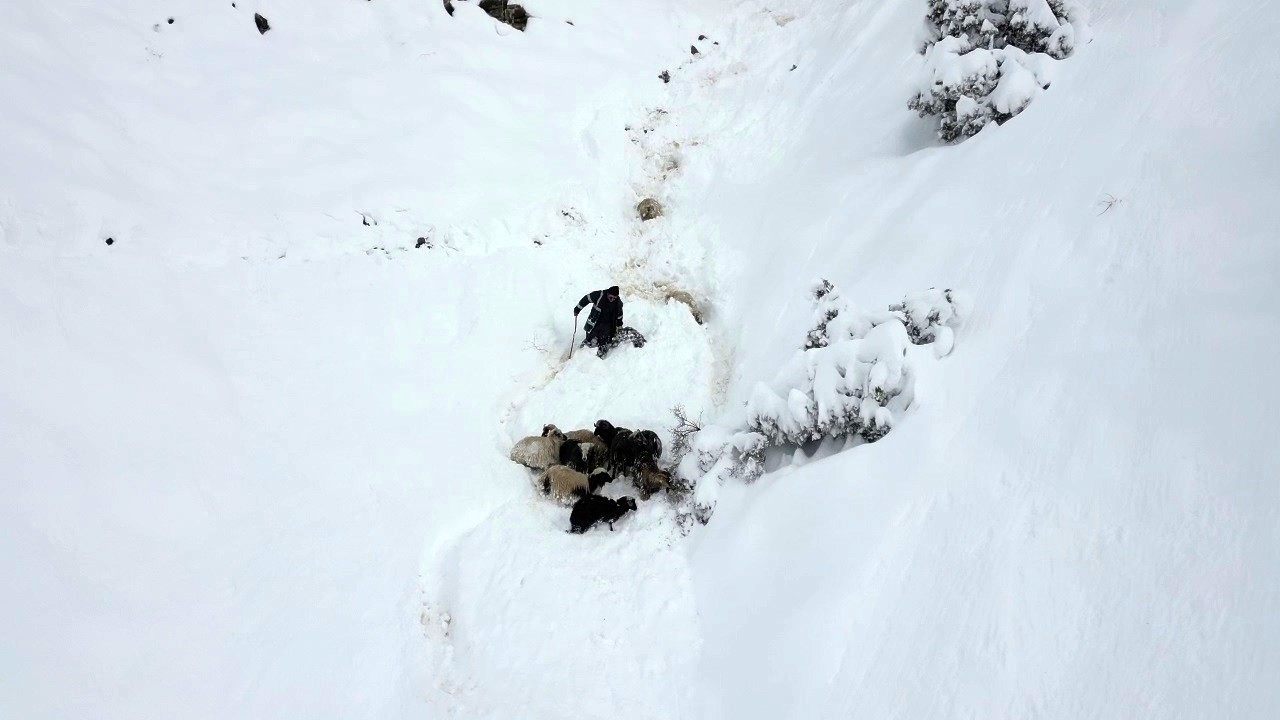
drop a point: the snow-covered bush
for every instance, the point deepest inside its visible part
(1046, 26)
(850, 378)
(847, 380)
(929, 317)
(715, 454)
(974, 21)
(682, 433)
(986, 60)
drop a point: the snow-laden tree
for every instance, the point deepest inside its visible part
(1047, 26)
(986, 60)
(851, 378)
(975, 22)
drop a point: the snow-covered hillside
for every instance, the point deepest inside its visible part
(255, 449)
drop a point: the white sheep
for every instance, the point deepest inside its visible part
(541, 451)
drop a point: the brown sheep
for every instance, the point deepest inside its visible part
(650, 479)
(567, 485)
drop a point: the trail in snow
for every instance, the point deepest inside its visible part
(619, 600)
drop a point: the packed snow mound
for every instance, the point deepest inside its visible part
(631, 387)
(529, 620)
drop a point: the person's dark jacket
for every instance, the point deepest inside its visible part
(606, 317)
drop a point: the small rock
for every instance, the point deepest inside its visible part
(693, 50)
(422, 241)
(170, 21)
(649, 209)
(665, 77)
(793, 67)
(504, 11)
(261, 22)
(702, 37)
(569, 22)
(111, 241)
(448, 7)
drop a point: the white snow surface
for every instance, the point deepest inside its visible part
(254, 452)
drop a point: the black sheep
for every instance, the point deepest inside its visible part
(583, 456)
(650, 441)
(592, 509)
(607, 432)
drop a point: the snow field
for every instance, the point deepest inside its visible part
(256, 450)
(545, 623)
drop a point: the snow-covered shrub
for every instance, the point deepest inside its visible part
(929, 317)
(1046, 26)
(973, 21)
(986, 60)
(843, 382)
(850, 378)
(715, 454)
(682, 433)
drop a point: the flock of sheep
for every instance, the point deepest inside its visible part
(572, 466)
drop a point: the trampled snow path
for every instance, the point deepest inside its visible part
(521, 616)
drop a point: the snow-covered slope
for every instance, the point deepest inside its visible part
(255, 449)
(1080, 518)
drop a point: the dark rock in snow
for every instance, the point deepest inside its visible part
(261, 22)
(170, 21)
(793, 67)
(448, 7)
(111, 241)
(423, 241)
(693, 50)
(504, 11)
(649, 209)
(665, 76)
(702, 37)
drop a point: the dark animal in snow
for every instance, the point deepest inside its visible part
(593, 509)
(607, 432)
(651, 479)
(629, 451)
(583, 456)
(650, 441)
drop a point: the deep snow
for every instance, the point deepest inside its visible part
(255, 451)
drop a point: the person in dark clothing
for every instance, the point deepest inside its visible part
(604, 328)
